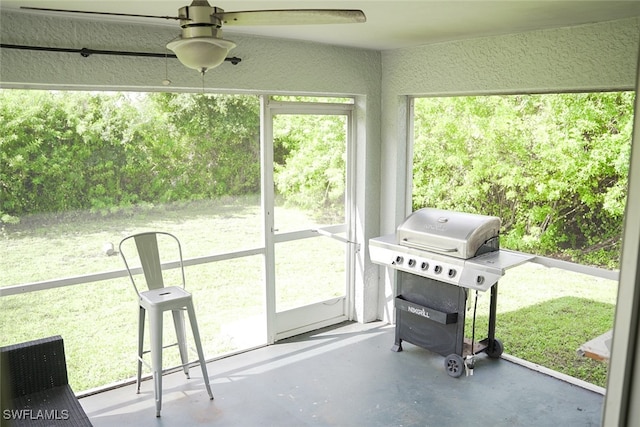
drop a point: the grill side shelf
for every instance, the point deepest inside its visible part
(426, 312)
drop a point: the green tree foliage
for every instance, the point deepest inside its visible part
(552, 167)
(310, 162)
(67, 151)
(217, 137)
(62, 151)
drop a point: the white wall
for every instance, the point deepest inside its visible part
(623, 382)
(268, 66)
(590, 57)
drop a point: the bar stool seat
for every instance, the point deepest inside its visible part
(171, 296)
(156, 300)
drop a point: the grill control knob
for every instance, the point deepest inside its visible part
(412, 262)
(399, 260)
(452, 273)
(438, 269)
(424, 266)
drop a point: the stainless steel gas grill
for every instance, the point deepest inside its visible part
(441, 255)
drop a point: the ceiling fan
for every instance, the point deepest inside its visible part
(201, 45)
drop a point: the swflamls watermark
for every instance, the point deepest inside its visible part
(35, 414)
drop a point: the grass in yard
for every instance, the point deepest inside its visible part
(563, 325)
(545, 314)
(43, 247)
(308, 271)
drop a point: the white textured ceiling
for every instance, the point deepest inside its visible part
(390, 24)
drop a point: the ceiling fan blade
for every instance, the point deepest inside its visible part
(293, 17)
(100, 13)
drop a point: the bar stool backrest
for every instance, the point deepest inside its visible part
(150, 260)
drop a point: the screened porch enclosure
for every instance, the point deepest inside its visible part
(200, 178)
(333, 376)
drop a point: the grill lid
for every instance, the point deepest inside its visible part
(457, 234)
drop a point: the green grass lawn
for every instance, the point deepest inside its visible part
(543, 314)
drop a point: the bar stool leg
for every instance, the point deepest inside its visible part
(178, 321)
(196, 337)
(155, 323)
(140, 346)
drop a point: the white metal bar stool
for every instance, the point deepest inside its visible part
(158, 299)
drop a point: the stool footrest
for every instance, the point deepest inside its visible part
(192, 364)
(163, 347)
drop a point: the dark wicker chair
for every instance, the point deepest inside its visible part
(34, 388)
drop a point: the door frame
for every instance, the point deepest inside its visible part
(303, 319)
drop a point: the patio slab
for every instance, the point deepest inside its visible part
(348, 376)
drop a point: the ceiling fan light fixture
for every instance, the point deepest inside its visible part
(201, 53)
(201, 45)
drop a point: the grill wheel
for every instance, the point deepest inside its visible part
(496, 350)
(454, 365)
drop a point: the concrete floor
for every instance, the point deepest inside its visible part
(348, 376)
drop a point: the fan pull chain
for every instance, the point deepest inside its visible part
(166, 80)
